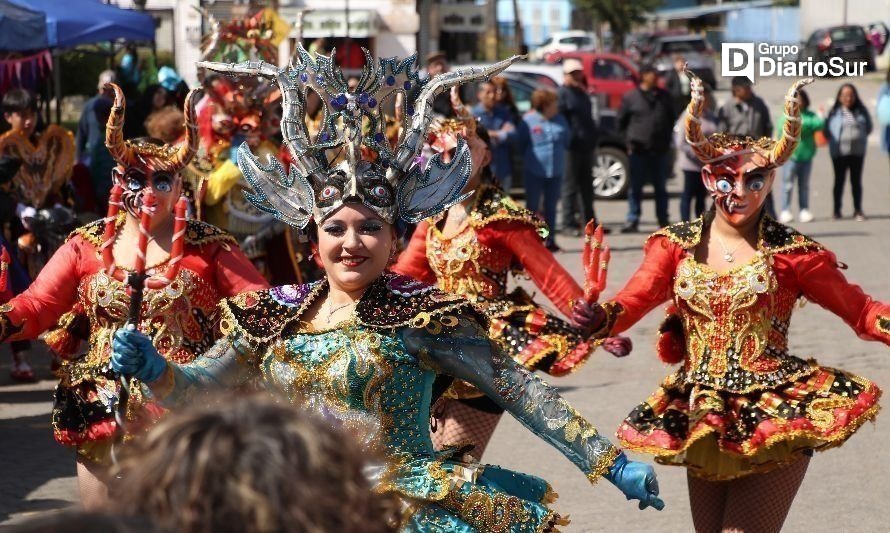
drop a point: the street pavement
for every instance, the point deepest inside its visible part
(845, 488)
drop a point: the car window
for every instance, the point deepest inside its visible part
(609, 69)
(522, 95)
(548, 41)
(577, 41)
(675, 47)
(848, 33)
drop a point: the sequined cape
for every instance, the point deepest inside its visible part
(500, 238)
(375, 373)
(741, 403)
(181, 319)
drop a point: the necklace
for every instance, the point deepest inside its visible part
(332, 309)
(728, 255)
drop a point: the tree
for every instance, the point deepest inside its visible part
(621, 15)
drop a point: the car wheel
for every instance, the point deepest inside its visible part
(610, 173)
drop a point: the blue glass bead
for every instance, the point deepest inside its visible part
(372, 102)
(341, 99)
(324, 136)
(319, 78)
(385, 163)
(363, 98)
(390, 80)
(407, 85)
(304, 77)
(379, 137)
(409, 110)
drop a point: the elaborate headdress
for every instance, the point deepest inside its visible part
(328, 168)
(44, 167)
(721, 146)
(140, 153)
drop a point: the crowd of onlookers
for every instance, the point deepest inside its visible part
(555, 144)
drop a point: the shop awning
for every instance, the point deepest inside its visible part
(363, 23)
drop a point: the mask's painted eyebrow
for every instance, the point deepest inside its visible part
(756, 171)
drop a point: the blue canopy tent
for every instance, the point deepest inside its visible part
(68, 23)
(21, 28)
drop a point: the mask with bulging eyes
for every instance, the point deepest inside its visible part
(367, 186)
(739, 185)
(135, 180)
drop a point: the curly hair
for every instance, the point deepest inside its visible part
(166, 124)
(250, 464)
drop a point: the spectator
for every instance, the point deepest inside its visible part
(501, 129)
(250, 464)
(129, 71)
(318, 47)
(20, 112)
(177, 89)
(90, 131)
(694, 193)
(437, 63)
(646, 120)
(545, 161)
(520, 145)
(747, 115)
(677, 84)
(883, 112)
(101, 161)
(848, 126)
(575, 107)
(166, 124)
(800, 165)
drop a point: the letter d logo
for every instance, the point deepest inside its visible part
(737, 59)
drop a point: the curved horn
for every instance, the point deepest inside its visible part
(704, 150)
(423, 113)
(210, 47)
(114, 128)
(190, 147)
(791, 130)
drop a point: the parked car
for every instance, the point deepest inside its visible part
(610, 172)
(699, 55)
(849, 42)
(565, 41)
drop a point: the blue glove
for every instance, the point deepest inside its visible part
(133, 354)
(636, 480)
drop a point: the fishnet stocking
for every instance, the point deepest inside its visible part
(707, 499)
(757, 503)
(91, 481)
(760, 502)
(456, 423)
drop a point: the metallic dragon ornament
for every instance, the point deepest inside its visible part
(330, 168)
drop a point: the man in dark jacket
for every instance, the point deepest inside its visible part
(574, 104)
(677, 83)
(646, 120)
(746, 114)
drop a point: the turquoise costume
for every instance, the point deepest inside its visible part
(375, 372)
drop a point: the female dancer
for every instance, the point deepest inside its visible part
(180, 318)
(470, 250)
(364, 345)
(742, 414)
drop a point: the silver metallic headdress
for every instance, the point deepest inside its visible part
(386, 180)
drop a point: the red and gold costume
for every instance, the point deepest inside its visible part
(181, 317)
(741, 403)
(498, 238)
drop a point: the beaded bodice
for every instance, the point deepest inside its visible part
(735, 325)
(467, 267)
(363, 377)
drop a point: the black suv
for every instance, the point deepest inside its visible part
(849, 42)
